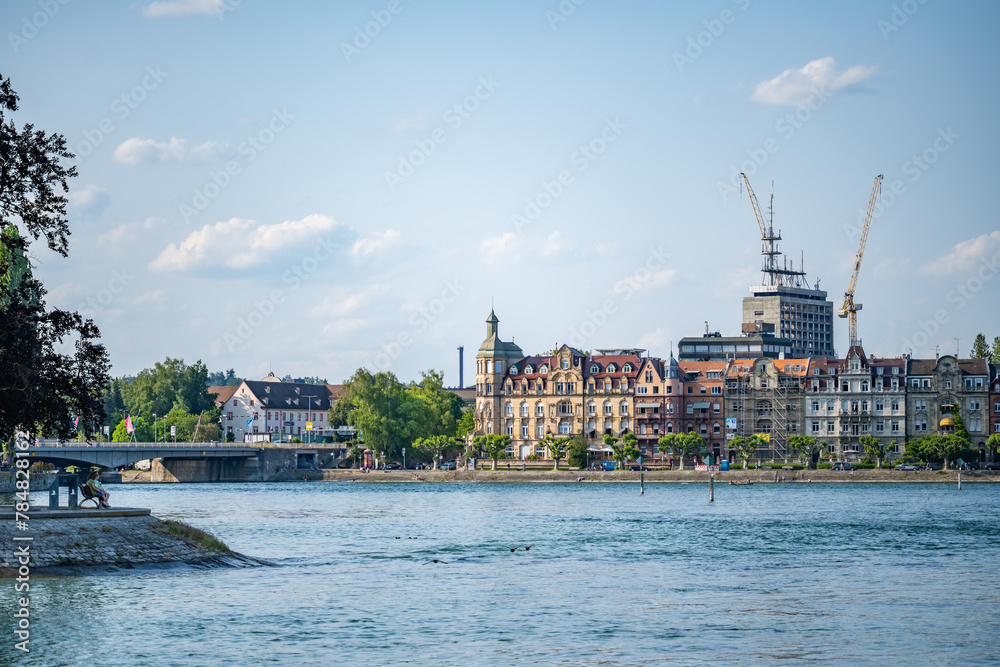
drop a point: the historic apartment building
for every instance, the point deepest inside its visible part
(836, 401)
(939, 387)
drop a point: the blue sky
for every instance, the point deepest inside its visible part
(264, 186)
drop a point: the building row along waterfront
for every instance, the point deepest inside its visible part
(836, 401)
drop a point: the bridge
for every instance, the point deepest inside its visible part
(118, 454)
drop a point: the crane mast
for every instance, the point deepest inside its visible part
(774, 274)
(850, 309)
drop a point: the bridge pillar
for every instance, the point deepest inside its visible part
(199, 470)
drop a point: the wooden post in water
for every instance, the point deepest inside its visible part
(642, 482)
(711, 488)
(959, 480)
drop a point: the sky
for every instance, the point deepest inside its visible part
(312, 187)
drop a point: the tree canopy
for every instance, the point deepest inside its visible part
(41, 389)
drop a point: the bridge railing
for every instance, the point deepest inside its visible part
(44, 442)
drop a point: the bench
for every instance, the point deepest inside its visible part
(88, 494)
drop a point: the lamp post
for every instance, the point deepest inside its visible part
(154, 427)
(310, 411)
(404, 458)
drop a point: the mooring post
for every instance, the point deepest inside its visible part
(959, 480)
(642, 482)
(711, 488)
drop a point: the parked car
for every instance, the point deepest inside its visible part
(935, 466)
(907, 466)
(393, 466)
(609, 465)
(840, 465)
(449, 465)
(993, 466)
(637, 468)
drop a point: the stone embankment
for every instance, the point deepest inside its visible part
(656, 476)
(39, 481)
(78, 541)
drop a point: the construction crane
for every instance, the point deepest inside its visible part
(774, 274)
(850, 309)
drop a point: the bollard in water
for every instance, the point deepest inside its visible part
(642, 481)
(711, 488)
(959, 480)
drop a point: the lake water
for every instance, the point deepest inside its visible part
(767, 574)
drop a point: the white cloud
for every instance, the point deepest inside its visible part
(795, 86)
(174, 8)
(344, 301)
(554, 245)
(416, 123)
(243, 244)
(126, 231)
(140, 151)
(657, 342)
(377, 242)
(967, 254)
(497, 245)
(89, 202)
(153, 297)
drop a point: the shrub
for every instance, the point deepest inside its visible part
(824, 466)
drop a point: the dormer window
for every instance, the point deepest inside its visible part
(513, 369)
(627, 368)
(594, 368)
(296, 391)
(565, 364)
(612, 368)
(528, 369)
(544, 369)
(267, 390)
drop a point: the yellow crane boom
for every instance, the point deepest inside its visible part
(850, 309)
(756, 207)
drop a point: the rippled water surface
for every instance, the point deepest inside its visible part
(767, 574)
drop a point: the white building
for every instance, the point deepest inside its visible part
(270, 409)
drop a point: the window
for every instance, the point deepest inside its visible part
(529, 369)
(670, 427)
(716, 428)
(793, 426)
(947, 384)
(565, 364)
(703, 429)
(559, 387)
(830, 427)
(510, 428)
(627, 368)
(539, 431)
(815, 427)
(690, 389)
(715, 408)
(539, 410)
(690, 408)
(623, 408)
(701, 390)
(591, 409)
(642, 390)
(607, 407)
(649, 376)
(524, 430)
(815, 406)
(879, 427)
(895, 427)
(974, 404)
(864, 385)
(624, 384)
(251, 402)
(594, 368)
(513, 369)
(895, 404)
(717, 390)
(612, 368)
(544, 369)
(509, 410)
(624, 426)
(524, 409)
(564, 428)
(975, 424)
(642, 429)
(996, 427)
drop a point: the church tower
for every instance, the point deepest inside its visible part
(492, 363)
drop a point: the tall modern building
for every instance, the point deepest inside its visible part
(802, 315)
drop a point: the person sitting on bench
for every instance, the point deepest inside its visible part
(94, 484)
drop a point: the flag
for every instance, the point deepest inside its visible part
(128, 425)
(76, 420)
(250, 421)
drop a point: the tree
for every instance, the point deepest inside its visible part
(339, 414)
(993, 443)
(227, 379)
(492, 445)
(465, 424)
(355, 452)
(578, 452)
(557, 447)
(436, 446)
(806, 446)
(995, 352)
(666, 444)
(980, 348)
(41, 389)
(684, 444)
(631, 446)
(873, 448)
(143, 431)
(171, 385)
(445, 407)
(187, 423)
(383, 411)
(745, 447)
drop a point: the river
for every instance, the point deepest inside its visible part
(767, 574)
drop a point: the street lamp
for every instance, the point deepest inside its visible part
(310, 412)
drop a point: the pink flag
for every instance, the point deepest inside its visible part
(76, 420)
(128, 425)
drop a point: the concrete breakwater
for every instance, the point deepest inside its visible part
(71, 541)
